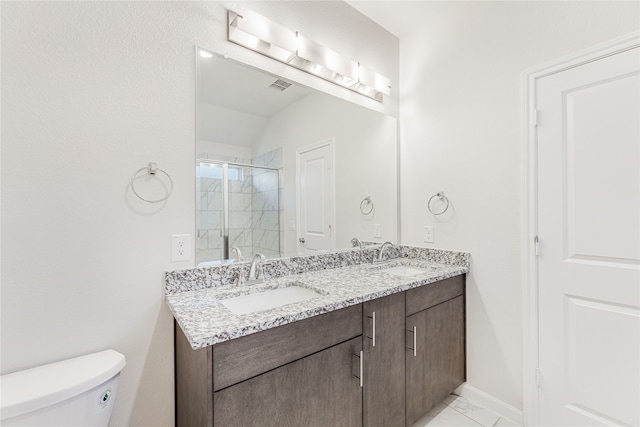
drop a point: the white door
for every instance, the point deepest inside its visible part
(314, 175)
(589, 251)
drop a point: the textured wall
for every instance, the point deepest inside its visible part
(91, 92)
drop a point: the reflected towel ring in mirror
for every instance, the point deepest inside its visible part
(366, 206)
(440, 195)
(152, 169)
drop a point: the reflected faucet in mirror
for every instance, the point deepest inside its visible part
(357, 243)
(236, 250)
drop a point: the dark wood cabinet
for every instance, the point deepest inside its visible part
(308, 372)
(384, 376)
(437, 366)
(280, 376)
(316, 391)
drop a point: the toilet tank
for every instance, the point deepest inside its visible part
(73, 392)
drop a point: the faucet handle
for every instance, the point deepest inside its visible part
(240, 278)
(260, 266)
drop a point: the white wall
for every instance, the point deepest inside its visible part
(460, 132)
(91, 92)
(366, 163)
(227, 126)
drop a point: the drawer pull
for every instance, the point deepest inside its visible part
(415, 341)
(373, 328)
(361, 377)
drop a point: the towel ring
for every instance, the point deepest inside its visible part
(152, 169)
(366, 203)
(440, 195)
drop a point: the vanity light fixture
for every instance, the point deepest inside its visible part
(264, 36)
(257, 33)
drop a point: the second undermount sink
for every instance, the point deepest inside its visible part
(268, 299)
(404, 268)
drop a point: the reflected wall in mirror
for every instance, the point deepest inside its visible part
(283, 169)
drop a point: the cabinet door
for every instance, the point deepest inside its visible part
(384, 376)
(318, 390)
(438, 366)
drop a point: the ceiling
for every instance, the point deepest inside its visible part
(231, 85)
(397, 17)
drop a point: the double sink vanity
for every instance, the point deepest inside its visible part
(325, 340)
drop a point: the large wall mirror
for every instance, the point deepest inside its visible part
(283, 169)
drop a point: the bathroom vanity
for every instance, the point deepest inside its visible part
(379, 346)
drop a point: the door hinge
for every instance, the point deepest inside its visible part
(538, 377)
(534, 118)
(536, 245)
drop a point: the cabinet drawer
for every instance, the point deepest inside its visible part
(426, 296)
(246, 357)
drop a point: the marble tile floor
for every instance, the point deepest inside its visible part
(457, 411)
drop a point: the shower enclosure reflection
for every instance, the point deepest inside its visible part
(237, 208)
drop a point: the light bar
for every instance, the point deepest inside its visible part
(257, 33)
(264, 36)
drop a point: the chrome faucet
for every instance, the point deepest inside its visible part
(355, 242)
(384, 246)
(255, 271)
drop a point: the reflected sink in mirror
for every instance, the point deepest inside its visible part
(404, 268)
(269, 298)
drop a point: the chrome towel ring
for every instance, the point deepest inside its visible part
(152, 169)
(366, 206)
(440, 195)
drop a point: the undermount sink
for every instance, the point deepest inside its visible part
(268, 299)
(404, 268)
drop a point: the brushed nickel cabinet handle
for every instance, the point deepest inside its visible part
(373, 328)
(415, 340)
(361, 377)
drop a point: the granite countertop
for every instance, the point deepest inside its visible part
(206, 321)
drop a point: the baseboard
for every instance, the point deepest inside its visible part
(491, 403)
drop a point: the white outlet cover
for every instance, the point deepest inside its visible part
(180, 247)
(428, 234)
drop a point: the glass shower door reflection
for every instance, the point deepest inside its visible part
(209, 213)
(265, 212)
(238, 207)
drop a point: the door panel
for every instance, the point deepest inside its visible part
(384, 373)
(315, 197)
(588, 141)
(438, 365)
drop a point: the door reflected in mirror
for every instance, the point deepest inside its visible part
(283, 169)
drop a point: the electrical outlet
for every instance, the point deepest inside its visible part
(428, 234)
(376, 231)
(180, 247)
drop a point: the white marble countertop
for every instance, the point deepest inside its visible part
(206, 321)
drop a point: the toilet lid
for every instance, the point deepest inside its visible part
(32, 389)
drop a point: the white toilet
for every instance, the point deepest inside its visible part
(74, 392)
